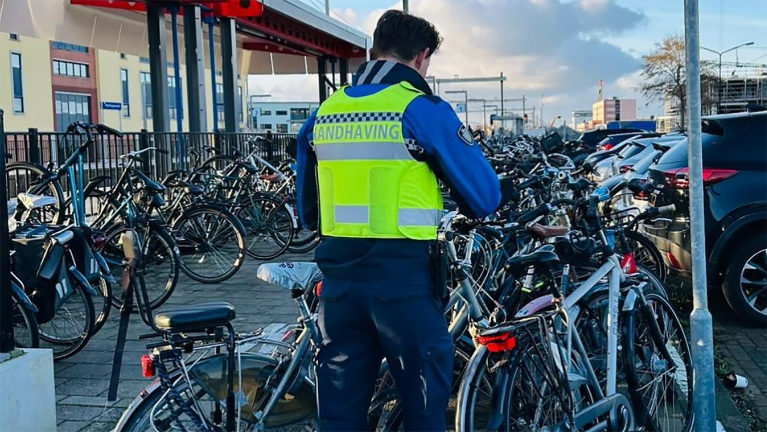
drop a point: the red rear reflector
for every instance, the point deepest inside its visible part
(318, 289)
(147, 366)
(673, 261)
(498, 343)
(680, 178)
(607, 147)
(629, 264)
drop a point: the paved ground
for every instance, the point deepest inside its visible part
(83, 380)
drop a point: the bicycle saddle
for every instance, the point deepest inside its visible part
(543, 255)
(31, 201)
(580, 185)
(195, 317)
(291, 275)
(543, 232)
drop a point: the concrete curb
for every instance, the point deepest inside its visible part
(727, 412)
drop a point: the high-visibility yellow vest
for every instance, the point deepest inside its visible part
(369, 184)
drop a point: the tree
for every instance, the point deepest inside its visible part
(665, 77)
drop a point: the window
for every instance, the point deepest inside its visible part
(146, 93)
(14, 37)
(69, 47)
(266, 126)
(122, 56)
(266, 112)
(176, 107)
(239, 103)
(220, 101)
(282, 113)
(299, 113)
(71, 107)
(17, 85)
(143, 59)
(65, 68)
(282, 128)
(126, 94)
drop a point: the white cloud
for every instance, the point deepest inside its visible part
(551, 47)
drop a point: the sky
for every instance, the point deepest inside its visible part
(554, 52)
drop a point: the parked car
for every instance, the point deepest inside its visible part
(617, 143)
(735, 209)
(592, 138)
(637, 150)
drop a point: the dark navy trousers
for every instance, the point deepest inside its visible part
(363, 322)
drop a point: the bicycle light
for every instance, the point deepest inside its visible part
(498, 343)
(147, 366)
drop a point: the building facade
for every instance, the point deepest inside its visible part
(614, 109)
(581, 117)
(47, 85)
(280, 117)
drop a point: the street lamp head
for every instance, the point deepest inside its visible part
(748, 43)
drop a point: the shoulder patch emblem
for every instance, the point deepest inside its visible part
(465, 135)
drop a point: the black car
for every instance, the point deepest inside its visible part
(592, 138)
(735, 190)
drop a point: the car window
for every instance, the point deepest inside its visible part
(633, 149)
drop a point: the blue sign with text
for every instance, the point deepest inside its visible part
(111, 106)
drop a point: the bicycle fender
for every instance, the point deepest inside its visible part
(629, 304)
(292, 215)
(145, 394)
(499, 399)
(105, 273)
(23, 298)
(83, 281)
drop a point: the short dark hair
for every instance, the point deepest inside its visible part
(404, 36)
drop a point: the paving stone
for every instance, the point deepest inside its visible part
(72, 426)
(95, 401)
(95, 426)
(86, 371)
(80, 387)
(76, 412)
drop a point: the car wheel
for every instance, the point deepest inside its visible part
(745, 281)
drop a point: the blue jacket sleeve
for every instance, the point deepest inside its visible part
(460, 164)
(306, 177)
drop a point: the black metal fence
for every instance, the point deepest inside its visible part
(186, 150)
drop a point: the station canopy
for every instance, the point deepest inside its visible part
(273, 36)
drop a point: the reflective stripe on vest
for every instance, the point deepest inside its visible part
(369, 184)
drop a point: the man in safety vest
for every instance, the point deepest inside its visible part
(369, 161)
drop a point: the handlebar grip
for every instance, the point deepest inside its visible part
(532, 181)
(163, 151)
(541, 210)
(106, 129)
(671, 208)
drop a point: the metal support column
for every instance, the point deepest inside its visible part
(229, 73)
(321, 71)
(158, 66)
(195, 68)
(343, 70)
(701, 324)
(503, 113)
(6, 310)
(212, 54)
(177, 94)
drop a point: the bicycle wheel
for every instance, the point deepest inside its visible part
(211, 244)
(660, 385)
(25, 330)
(24, 177)
(268, 226)
(102, 303)
(71, 328)
(160, 266)
(158, 411)
(646, 254)
(304, 241)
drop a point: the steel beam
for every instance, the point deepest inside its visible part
(158, 66)
(229, 73)
(195, 68)
(321, 71)
(343, 69)
(6, 308)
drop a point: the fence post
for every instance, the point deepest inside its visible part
(143, 142)
(6, 317)
(34, 146)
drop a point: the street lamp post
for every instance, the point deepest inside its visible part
(465, 103)
(720, 53)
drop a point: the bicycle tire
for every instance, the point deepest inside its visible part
(102, 305)
(23, 318)
(638, 353)
(201, 244)
(65, 347)
(267, 221)
(52, 188)
(304, 245)
(652, 259)
(157, 251)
